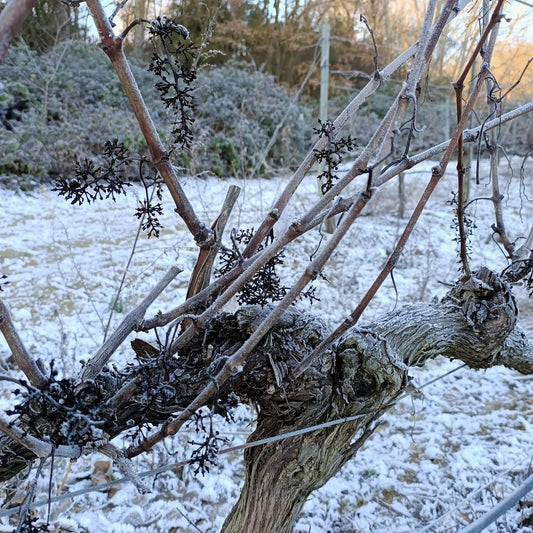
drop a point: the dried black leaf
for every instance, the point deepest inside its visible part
(151, 212)
(206, 454)
(265, 286)
(173, 62)
(332, 154)
(29, 525)
(92, 182)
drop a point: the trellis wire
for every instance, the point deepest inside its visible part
(155, 471)
(456, 509)
(501, 508)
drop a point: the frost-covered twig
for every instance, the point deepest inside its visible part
(201, 275)
(130, 322)
(118, 7)
(39, 447)
(497, 197)
(125, 466)
(130, 26)
(522, 260)
(20, 355)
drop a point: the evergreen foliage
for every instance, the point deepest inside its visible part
(239, 110)
(75, 103)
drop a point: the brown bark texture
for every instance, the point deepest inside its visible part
(11, 19)
(362, 374)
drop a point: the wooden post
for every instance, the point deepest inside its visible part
(447, 113)
(324, 96)
(324, 72)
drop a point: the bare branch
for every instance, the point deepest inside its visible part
(130, 27)
(201, 274)
(38, 447)
(11, 19)
(21, 356)
(522, 260)
(364, 20)
(118, 7)
(112, 46)
(519, 80)
(130, 322)
(125, 466)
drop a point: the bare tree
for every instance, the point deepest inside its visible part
(11, 20)
(283, 360)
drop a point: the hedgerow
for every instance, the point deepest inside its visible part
(74, 103)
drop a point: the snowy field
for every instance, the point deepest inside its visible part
(444, 455)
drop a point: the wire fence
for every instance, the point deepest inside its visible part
(174, 466)
(475, 527)
(469, 498)
(498, 510)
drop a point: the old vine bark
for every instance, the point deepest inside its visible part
(362, 374)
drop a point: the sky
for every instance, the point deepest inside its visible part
(522, 12)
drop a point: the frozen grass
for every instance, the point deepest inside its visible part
(433, 450)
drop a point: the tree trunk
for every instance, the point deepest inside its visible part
(361, 375)
(474, 323)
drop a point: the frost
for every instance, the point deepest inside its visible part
(432, 452)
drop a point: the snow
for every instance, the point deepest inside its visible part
(451, 450)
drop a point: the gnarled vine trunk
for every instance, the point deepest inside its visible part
(361, 375)
(475, 322)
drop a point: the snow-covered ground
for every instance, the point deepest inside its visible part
(447, 453)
